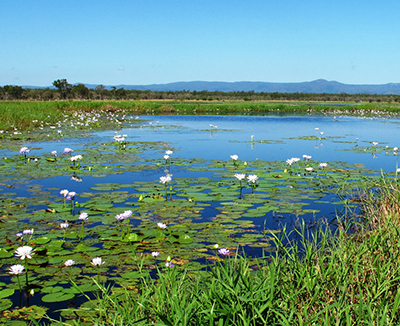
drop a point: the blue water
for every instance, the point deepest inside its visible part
(192, 137)
(192, 141)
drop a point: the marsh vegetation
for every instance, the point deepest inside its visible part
(120, 216)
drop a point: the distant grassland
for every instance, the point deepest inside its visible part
(28, 114)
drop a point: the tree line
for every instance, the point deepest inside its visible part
(65, 91)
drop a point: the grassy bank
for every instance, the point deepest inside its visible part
(341, 278)
(28, 115)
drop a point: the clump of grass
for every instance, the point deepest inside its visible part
(332, 278)
(27, 115)
(381, 202)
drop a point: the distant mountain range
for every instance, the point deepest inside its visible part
(316, 86)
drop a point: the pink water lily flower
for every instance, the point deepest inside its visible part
(71, 195)
(224, 251)
(24, 150)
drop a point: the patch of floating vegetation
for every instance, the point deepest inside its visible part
(316, 137)
(108, 228)
(258, 141)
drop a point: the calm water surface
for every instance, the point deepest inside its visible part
(192, 137)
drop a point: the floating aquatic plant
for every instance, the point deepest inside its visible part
(164, 180)
(24, 253)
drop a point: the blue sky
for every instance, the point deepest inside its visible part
(158, 41)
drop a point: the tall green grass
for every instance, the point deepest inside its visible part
(26, 115)
(23, 114)
(327, 278)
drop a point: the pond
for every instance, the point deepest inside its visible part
(167, 189)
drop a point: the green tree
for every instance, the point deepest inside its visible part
(113, 89)
(14, 92)
(99, 90)
(63, 87)
(120, 93)
(80, 91)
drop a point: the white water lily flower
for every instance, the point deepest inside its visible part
(162, 225)
(75, 158)
(64, 225)
(234, 157)
(168, 152)
(127, 214)
(252, 178)
(316, 129)
(240, 176)
(166, 157)
(165, 179)
(323, 165)
(69, 262)
(68, 150)
(289, 161)
(83, 216)
(97, 261)
(28, 231)
(155, 253)
(24, 252)
(16, 269)
(123, 216)
(309, 169)
(64, 192)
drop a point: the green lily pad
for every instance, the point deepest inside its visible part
(57, 297)
(5, 304)
(6, 254)
(6, 293)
